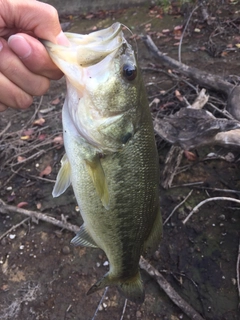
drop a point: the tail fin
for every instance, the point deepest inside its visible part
(132, 288)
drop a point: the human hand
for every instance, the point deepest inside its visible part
(25, 66)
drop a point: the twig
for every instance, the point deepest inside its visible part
(13, 227)
(195, 209)
(172, 163)
(238, 271)
(217, 189)
(13, 175)
(185, 28)
(190, 184)
(225, 113)
(35, 112)
(6, 209)
(124, 309)
(179, 205)
(6, 128)
(33, 156)
(103, 296)
(172, 294)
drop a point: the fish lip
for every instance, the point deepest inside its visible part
(104, 35)
(86, 50)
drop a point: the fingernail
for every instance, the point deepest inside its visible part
(62, 39)
(20, 46)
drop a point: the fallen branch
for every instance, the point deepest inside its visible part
(7, 209)
(195, 209)
(202, 78)
(172, 294)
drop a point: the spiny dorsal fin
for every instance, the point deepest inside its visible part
(96, 172)
(63, 178)
(83, 238)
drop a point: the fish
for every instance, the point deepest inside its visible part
(111, 158)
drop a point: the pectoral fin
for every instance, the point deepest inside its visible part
(83, 238)
(63, 177)
(96, 172)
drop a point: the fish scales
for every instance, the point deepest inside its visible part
(113, 167)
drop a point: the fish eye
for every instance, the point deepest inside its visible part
(129, 71)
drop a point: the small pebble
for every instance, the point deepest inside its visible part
(138, 314)
(222, 217)
(3, 242)
(106, 263)
(12, 236)
(66, 250)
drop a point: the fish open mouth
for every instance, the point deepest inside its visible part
(87, 50)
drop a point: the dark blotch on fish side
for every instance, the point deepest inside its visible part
(126, 137)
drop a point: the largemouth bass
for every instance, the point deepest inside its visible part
(111, 158)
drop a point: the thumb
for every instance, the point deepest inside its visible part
(33, 55)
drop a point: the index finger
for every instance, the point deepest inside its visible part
(31, 16)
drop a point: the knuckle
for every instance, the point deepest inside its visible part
(52, 13)
(42, 87)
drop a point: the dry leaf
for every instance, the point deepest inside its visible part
(22, 204)
(42, 136)
(20, 159)
(55, 101)
(178, 31)
(39, 122)
(25, 137)
(28, 132)
(155, 101)
(46, 171)
(178, 95)
(58, 141)
(39, 206)
(224, 53)
(190, 155)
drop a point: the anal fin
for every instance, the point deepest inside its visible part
(83, 238)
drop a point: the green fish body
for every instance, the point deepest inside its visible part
(111, 159)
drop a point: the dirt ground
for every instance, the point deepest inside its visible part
(41, 275)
